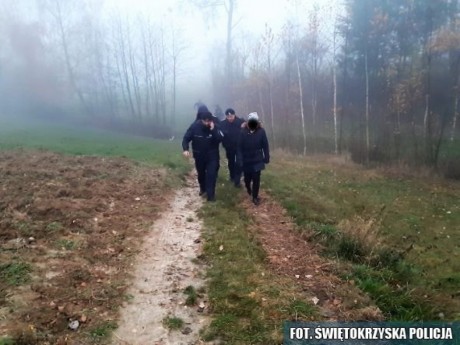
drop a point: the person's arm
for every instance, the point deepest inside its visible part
(239, 150)
(216, 132)
(186, 140)
(223, 127)
(265, 147)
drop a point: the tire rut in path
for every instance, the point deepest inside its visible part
(162, 271)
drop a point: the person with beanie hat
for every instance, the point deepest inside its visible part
(253, 154)
(202, 109)
(205, 138)
(231, 127)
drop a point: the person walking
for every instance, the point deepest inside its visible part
(205, 138)
(231, 127)
(252, 155)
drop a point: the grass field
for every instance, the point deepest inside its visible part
(398, 238)
(84, 141)
(249, 301)
(400, 235)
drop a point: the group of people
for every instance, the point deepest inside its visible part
(246, 148)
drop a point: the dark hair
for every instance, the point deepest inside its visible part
(229, 111)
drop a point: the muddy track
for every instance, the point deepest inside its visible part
(164, 268)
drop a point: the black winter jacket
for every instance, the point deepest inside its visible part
(205, 142)
(253, 151)
(231, 132)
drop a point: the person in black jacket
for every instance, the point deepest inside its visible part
(205, 138)
(252, 155)
(231, 127)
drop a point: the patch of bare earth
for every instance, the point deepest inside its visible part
(164, 269)
(76, 224)
(290, 254)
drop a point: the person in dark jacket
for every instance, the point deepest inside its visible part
(252, 155)
(231, 127)
(205, 138)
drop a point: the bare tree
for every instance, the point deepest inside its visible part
(55, 9)
(268, 42)
(366, 71)
(177, 48)
(302, 116)
(334, 82)
(230, 7)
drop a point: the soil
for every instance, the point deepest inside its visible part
(165, 268)
(292, 255)
(74, 226)
(103, 242)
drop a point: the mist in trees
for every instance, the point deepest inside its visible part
(378, 80)
(81, 61)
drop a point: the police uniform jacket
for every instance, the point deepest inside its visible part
(231, 132)
(205, 142)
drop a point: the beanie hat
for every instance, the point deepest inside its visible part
(229, 111)
(206, 115)
(253, 116)
(201, 110)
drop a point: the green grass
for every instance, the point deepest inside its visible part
(66, 244)
(53, 227)
(85, 141)
(248, 303)
(15, 273)
(6, 341)
(103, 331)
(418, 218)
(173, 323)
(192, 295)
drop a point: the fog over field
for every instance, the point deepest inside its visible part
(378, 80)
(126, 59)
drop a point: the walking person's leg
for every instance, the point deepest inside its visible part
(231, 164)
(236, 172)
(200, 166)
(212, 169)
(256, 187)
(247, 182)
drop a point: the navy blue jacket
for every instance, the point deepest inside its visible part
(205, 143)
(231, 132)
(253, 151)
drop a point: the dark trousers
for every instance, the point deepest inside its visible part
(207, 175)
(233, 169)
(253, 177)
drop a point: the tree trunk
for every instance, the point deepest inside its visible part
(124, 69)
(367, 108)
(261, 103)
(344, 91)
(334, 77)
(455, 117)
(146, 68)
(135, 80)
(68, 64)
(228, 57)
(299, 78)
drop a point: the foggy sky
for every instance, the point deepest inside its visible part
(32, 51)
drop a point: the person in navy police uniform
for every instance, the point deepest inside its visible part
(231, 127)
(252, 155)
(205, 138)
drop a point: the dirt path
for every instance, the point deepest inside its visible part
(163, 270)
(291, 255)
